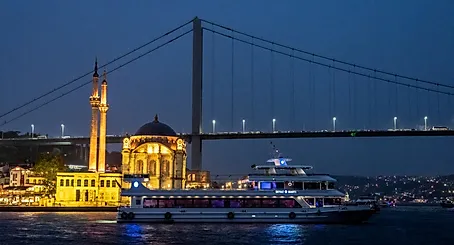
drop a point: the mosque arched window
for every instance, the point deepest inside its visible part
(152, 167)
(139, 167)
(166, 166)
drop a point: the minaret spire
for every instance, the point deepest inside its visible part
(103, 107)
(94, 102)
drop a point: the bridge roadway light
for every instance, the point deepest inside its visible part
(62, 130)
(214, 126)
(33, 130)
(395, 123)
(244, 125)
(274, 125)
(425, 123)
(334, 124)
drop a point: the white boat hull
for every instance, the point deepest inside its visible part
(342, 215)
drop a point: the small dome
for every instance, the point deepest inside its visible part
(156, 128)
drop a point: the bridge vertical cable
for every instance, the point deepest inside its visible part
(438, 106)
(330, 92)
(213, 71)
(292, 70)
(369, 111)
(334, 89)
(232, 87)
(272, 81)
(312, 95)
(349, 98)
(355, 94)
(375, 111)
(396, 105)
(252, 85)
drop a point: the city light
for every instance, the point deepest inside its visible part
(33, 130)
(62, 130)
(425, 123)
(274, 125)
(244, 125)
(214, 126)
(334, 124)
(395, 123)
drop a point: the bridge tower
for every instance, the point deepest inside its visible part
(94, 102)
(103, 107)
(197, 55)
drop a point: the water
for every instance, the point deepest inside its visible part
(401, 225)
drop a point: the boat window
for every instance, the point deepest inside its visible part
(288, 203)
(279, 185)
(201, 203)
(218, 203)
(252, 203)
(310, 201)
(330, 185)
(266, 185)
(184, 203)
(323, 186)
(298, 185)
(311, 186)
(150, 203)
(138, 201)
(235, 203)
(332, 201)
(166, 203)
(319, 202)
(269, 203)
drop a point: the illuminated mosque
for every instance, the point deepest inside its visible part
(155, 150)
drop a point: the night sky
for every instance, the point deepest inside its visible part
(47, 43)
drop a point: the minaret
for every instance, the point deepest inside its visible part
(94, 102)
(103, 107)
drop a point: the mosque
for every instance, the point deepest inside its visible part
(155, 149)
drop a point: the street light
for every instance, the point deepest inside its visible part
(395, 123)
(274, 125)
(214, 126)
(425, 123)
(334, 124)
(62, 130)
(244, 125)
(33, 130)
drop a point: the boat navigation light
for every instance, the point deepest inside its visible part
(135, 184)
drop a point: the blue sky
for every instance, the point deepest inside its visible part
(47, 43)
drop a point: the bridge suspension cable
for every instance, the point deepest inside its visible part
(338, 68)
(86, 83)
(329, 58)
(89, 72)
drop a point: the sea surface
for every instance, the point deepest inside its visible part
(400, 225)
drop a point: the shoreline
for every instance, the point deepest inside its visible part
(56, 209)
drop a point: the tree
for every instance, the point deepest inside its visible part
(47, 166)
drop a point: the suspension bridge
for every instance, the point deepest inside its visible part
(308, 95)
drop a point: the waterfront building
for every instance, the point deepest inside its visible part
(94, 187)
(156, 151)
(198, 179)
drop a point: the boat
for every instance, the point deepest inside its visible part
(447, 204)
(276, 193)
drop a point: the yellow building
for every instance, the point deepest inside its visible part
(156, 150)
(88, 189)
(95, 187)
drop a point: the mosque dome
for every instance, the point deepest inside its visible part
(156, 128)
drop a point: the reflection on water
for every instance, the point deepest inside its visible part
(402, 225)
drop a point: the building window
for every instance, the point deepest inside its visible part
(93, 183)
(114, 183)
(86, 183)
(102, 183)
(79, 182)
(62, 183)
(27, 182)
(107, 183)
(72, 182)
(139, 167)
(67, 182)
(152, 167)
